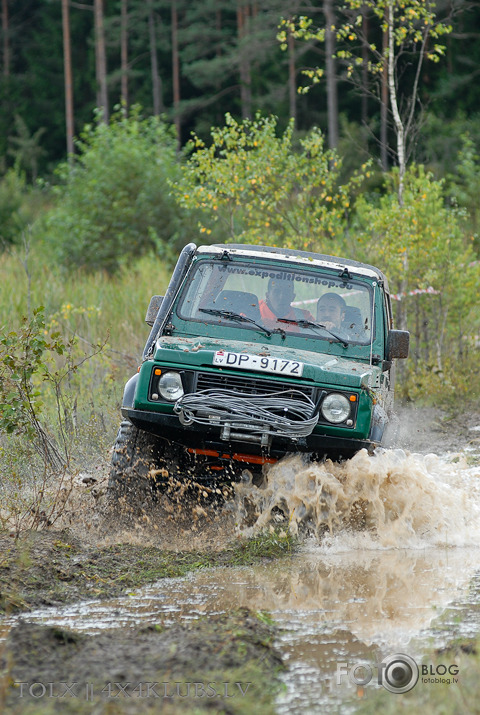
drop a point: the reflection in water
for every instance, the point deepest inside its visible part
(331, 608)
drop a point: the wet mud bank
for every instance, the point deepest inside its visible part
(429, 429)
(221, 661)
(51, 568)
(225, 663)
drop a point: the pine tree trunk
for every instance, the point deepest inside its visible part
(218, 52)
(156, 84)
(331, 72)
(67, 68)
(244, 62)
(124, 52)
(101, 59)
(176, 70)
(6, 46)
(365, 32)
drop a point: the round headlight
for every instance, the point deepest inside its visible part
(170, 386)
(335, 408)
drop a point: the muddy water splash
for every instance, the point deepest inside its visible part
(393, 499)
(390, 499)
(372, 577)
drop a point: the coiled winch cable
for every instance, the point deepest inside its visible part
(287, 413)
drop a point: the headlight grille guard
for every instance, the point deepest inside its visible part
(286, 413)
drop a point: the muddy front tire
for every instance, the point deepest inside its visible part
(134, 473)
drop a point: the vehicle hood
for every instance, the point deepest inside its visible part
(196, 353)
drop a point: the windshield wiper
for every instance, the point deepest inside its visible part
(236, 316)
(310, 324)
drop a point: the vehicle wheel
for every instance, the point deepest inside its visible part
(134, 475)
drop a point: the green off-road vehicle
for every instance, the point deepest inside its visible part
(256, 352)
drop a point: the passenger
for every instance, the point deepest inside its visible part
(331, 311)
(278, 303)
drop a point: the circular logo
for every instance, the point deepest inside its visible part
(398, 673)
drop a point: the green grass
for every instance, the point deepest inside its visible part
(268, 544)
(92, 306)
(94, 309)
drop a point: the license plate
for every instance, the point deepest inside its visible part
(244, 361)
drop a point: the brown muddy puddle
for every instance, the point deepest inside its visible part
(389, 564)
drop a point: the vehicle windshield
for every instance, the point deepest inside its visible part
(314, 303)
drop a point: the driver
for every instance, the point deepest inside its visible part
(331, 311)
(277, 303)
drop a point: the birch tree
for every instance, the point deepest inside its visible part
(412, 33)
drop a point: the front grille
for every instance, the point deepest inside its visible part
(248, 385)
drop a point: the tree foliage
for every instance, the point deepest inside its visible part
(26, 149)
(409, 33)
(211, 51)
(441, 260)
(113, 202)
(263, 189)
(464, 185)
(12, 194)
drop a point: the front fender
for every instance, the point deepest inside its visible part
(379, 422)
(129, 391)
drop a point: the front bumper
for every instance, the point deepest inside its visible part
(207, 437)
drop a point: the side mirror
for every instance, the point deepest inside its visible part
(398, 342)
(153, 308)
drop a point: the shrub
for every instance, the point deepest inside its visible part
(263, 189)
(36, 422)
(428, 256)
(113, 201)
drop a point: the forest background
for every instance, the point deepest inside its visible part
(130, 128)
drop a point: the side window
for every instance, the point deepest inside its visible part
(388, 310)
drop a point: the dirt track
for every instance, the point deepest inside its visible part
(91, 559)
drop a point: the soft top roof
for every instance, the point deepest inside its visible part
(301, 257)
